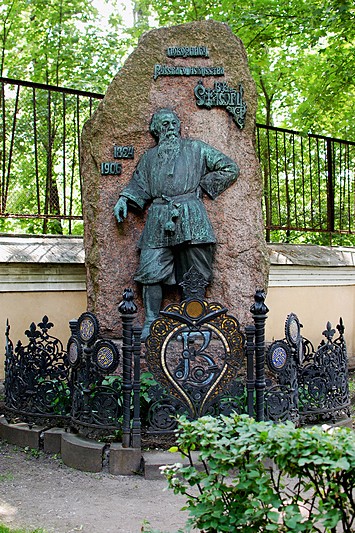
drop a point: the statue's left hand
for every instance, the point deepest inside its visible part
(120, 209)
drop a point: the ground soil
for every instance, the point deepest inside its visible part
(38, 490)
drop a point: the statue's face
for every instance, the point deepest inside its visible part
(169, 126)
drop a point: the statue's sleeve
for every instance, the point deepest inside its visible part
(137, 190)
(221, 171)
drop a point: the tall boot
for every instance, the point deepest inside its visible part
(152, 298)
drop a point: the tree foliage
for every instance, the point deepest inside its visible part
(60, 42)
(300, 53)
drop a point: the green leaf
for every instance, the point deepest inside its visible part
(173, 449)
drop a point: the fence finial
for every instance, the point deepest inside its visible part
(127, 306)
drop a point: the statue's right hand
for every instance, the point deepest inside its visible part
(120, 209)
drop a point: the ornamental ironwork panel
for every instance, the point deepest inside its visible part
(323, 379)
(194, 351)
(282, 359)
(37, 375)
(311, 385)
(97, 395)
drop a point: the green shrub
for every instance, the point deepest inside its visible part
(307, 486)
(146, 382)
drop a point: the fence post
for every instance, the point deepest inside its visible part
(250, 382)
(136, 423)
(128, 309)
(87, 354)
(73, 325)
(259, 311)
(330, 187)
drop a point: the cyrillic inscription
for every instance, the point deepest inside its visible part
(123, 152)
(221, 95)
(187, 51)
(111, 169)
(171, 70)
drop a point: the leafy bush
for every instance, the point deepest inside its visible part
(146, 381)
(307, 486)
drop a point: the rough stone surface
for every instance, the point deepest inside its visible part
(124, 461)
(81, 454)
(20, 434)
(122, 118)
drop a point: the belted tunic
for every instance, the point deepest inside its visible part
(177, 214)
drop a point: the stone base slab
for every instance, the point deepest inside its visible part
(82, 454)
(152, 461)
(344, 422)
(21, 434)
(88, 455)
(52, 440)
(124, 461)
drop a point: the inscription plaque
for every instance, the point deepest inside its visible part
(221, 95)
(109, 168)
(123, 152)
(171, 70)
(187, 51)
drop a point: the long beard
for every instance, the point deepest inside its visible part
(168, 152)
(168, 149)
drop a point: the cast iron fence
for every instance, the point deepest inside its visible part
(307, 385)
(40, 189)
(309, 180)
(38, 377)
(200, 363)
(84, 387)
(309, 185)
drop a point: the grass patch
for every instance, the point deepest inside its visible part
(6, 477)
(5, 529)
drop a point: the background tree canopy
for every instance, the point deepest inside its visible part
(60, 42)
(301, 52)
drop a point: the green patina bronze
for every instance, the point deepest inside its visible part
(172, 177)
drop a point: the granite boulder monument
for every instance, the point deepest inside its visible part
(171, 178)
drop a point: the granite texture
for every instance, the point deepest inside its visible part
(122, 118)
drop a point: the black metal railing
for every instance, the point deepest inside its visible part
(199, 364)
(40, 189)
(308, 184)
(308, 179)
(38, 378)
(85, 386)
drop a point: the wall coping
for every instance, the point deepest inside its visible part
(52, 263)
(52, 249)
(56, 249)
(311, 255)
